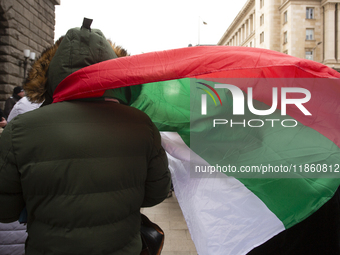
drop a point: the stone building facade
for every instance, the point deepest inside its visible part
(301, 28)
(24, 24)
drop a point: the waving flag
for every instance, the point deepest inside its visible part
(252, 135)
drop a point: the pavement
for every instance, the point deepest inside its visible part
(169, 217)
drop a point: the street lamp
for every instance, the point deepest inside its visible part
(199, 28)
(28, 55)
(315, 48)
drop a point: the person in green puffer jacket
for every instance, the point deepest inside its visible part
(82, 168)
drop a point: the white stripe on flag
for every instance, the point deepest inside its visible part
(222, 215)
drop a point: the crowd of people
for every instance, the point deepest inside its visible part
(76, 172)
(12, 235)
(18, 93)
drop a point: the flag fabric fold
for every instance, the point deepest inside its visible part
(228, 213)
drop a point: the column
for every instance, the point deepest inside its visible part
(253, 22)
(241, 37)
(329, 26)
(250, 24)
(248, 27)
(338, 32)
(242, 34)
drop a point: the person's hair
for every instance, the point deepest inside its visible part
(17, 90)
(37, 76)
(35, 85)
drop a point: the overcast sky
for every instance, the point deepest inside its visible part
(151, 25)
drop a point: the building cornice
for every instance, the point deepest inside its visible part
(324, 2)
(300, 2)
(238, 18)
(55, 2)
(284, 5)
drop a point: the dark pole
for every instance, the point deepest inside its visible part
(25, 66)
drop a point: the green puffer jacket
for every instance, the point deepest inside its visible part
(82, 168)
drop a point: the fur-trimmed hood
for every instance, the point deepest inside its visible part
(44, 77)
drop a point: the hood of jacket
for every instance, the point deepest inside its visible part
(80, 47)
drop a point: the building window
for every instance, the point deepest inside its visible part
(251, 44)
(309, 54)
(286, 52)
(309, 13)
(262, 37)
(285, 17)
(261, 3)
(261, 19)
(285, 37)
(309, 34)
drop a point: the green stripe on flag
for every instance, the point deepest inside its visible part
(168, 105)
(175, 105)
(292, 200)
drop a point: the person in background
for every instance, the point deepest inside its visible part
(18, 93)
(22, 106)
(12, 238)
(82, 168)
(13, 235)
(3, 121)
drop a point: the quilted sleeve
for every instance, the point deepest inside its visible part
(11, 198)
(158, 179)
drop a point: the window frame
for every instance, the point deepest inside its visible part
(310, 12)
(285, 17)
(311, 55)
(311, 34)
(262, 37)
